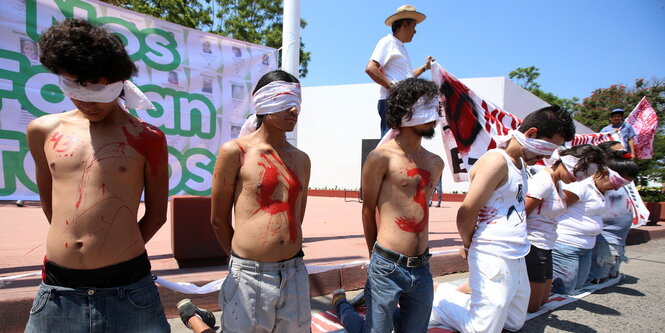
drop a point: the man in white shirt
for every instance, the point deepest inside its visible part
(390, 61)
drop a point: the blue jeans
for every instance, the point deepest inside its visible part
(132, 308)
(387, 285)
(383, 108)
(606, 259)
(571, 266)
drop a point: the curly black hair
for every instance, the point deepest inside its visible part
(276, 75)
(587, 154)
(549, 121)
(404, 95)
(86, 52)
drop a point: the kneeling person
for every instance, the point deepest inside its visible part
(263, 179)
(398, 178)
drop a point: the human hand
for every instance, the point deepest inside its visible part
(428, 62)
(463, 252)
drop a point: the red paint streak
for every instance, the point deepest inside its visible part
(64, 141)
(410, 224)
(242, 155)
(103, 188)
(66, 245)
(67, 222)
(107, 151)
(269, 183)
(487, 215)
(149, 143)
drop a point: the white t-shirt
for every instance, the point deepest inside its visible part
(580, 224)
(394, 60)
(501, 226)
(541, 223)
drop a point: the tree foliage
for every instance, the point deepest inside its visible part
(254, 21)
(526, 77)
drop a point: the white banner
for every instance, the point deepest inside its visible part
(645, 122)
(200, 84)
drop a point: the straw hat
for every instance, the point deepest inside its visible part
(405, 12)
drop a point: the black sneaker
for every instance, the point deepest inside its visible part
(187, 310)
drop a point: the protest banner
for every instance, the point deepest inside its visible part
(645, 122)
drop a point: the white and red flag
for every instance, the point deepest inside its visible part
(645, 122)
(470, 125)
(594, 138)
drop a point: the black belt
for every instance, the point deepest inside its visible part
(402, 259)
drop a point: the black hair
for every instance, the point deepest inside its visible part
(404, 95)
(276, 75)
(86, 51)
(587, 154)
(607, 145)
(619, 161)
(398, 24)
(549, 121)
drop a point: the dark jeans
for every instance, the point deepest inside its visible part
(387, 284)
(383, 107)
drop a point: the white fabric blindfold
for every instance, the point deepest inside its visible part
(424, 111)
(106, 93)
(536, 146)
(274, 97)
(616, 179)
(570, 162)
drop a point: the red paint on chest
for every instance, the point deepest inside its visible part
(269, 183)
(149, 143)
(410, 224)
(66, 245)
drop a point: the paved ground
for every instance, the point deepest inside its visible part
(632, 305)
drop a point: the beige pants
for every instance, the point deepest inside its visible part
(265, 297)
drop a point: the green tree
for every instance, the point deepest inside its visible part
(526, 77)
(254, 21)
(594, 111)
(189, 13)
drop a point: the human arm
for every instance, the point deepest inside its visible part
(156, 181)
(531, 204)
(373, 69)
(223, 192)
(633, 153)
(570, 197)
(374, 170)
(487, 174)
(422, 69)
(303, 203)
(36, 136)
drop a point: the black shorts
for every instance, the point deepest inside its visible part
(539, 265)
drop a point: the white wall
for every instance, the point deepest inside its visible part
(334, 120)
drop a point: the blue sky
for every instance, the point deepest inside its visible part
(577, 45)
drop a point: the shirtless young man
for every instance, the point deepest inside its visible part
(263, 179)
(92, 165)
(398, 179)
(492, 224)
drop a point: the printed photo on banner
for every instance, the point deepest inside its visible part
(235, 58)
(30, 49)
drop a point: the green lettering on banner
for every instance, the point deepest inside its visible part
(186, 106)
(156, 47)
(197, 173)
(48, 92)
(11, 161)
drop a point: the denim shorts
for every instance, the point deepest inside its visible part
(134, 307)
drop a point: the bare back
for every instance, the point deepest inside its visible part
(97, 176)
(403, 193)
(269, 198)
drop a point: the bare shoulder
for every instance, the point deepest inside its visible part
(491, 165)
(153, 132)
(232, 148)
(433, 158)
(46, 124)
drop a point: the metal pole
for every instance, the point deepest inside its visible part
(291, 37)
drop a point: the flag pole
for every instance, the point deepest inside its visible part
(291, 37)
